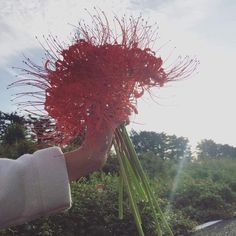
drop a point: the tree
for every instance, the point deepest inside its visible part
(40, 129)
(209, 149)
(7, 119)
(146, 141)
(14, 133)
(14, 136)
(161, 144)
(177, 147)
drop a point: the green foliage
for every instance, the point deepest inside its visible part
(14, 133)
(16, 150)
(210, 149)
(112, 164)
(10, 121)
(161, 144)
(180, 223)
(202, 191)
(15, 143)
(152, 164)
(96, 201)
(206, 190)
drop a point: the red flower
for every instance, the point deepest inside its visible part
(100, 75)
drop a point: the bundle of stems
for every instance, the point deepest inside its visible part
(136, 184)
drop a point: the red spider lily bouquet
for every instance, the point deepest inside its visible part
(98, 78)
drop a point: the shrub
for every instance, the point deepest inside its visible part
(95, 212)
(206, 190)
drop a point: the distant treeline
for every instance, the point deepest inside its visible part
(26, 134)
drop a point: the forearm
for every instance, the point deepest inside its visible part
(33, 185)
(38, 184)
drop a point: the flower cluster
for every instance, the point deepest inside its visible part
(100, 75)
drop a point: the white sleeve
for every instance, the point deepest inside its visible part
(32, 186)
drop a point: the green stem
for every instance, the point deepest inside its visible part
(144, 178)
(121, 197)
(145, 183)
(129, 192)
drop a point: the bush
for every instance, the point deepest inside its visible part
(206, 190)
(95, 212)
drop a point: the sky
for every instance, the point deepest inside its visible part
(200, 107)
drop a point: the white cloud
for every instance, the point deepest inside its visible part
(22, 20)
(199, 107)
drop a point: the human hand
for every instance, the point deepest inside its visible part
(92, 155)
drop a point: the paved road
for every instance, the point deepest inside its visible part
(223, 228)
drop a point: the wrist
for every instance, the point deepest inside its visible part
(82, 162)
